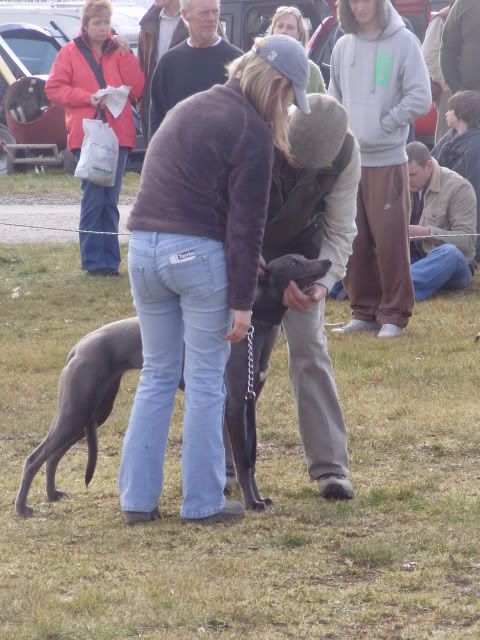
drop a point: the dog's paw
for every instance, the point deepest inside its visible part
(257, 506)
(57, 495)
(24, 512)
(477, 337)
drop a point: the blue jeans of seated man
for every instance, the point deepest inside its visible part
(444, 267)
(179, 287)
(99, 212)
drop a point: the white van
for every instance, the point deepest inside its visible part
(63, 17)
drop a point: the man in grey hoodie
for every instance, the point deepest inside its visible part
(378, 73)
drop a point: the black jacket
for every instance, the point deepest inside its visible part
(461, 153)
(296, 205)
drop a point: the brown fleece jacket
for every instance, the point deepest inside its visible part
(207, 173)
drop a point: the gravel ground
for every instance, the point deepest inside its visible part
(19, 199)
(21, 217)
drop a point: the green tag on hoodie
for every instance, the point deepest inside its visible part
(383, 68)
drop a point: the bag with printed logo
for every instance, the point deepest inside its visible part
(99, 154)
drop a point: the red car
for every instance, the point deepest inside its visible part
(417, 12)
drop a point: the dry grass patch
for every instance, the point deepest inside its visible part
(401, 562)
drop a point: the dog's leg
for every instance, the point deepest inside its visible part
(265, 343)
(242, 431)
(79, 391)
(33, 463)
(236, 382)
(54, 494)
(102, 413)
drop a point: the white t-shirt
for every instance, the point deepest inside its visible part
(167, 27)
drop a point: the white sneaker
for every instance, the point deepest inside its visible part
(358, 325)
(389, 331)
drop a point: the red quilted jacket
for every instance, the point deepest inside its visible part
(71, 83)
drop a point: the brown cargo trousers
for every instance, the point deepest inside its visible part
(378, 280)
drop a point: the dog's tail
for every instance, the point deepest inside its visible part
(91, 436)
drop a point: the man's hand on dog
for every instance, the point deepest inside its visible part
(297, 300)
(241, 323)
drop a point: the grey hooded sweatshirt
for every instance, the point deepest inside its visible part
(384, 85)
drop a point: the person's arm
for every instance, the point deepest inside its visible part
(131, 73)
(248, 192)
(431, 49)
(339, 229)
(59, 86)
(157, 111)
(316, 83)
(472, 167)
(462, 219)
(141, 51)
(416, 93)
(450, 49)
(334, 86)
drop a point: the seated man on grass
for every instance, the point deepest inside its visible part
(443, 222)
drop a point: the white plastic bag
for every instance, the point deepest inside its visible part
(99, 154)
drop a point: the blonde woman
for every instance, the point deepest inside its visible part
(197, 226)
(289, 22)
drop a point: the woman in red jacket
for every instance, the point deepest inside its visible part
(73, 84)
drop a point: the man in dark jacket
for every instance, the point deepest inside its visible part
(312, 211)
(459, 149)
(460, 49)
(161, 28)
(194, 65)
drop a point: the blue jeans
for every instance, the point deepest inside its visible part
(99, 212)
(443, 267)
(179, 287)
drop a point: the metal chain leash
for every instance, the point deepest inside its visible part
(250, 394)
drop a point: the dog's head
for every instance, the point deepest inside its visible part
(294, 267)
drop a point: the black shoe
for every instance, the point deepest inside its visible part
(231, 511)
(335, 486)
(137, 517)
(103, 272)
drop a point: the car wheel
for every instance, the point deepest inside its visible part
(6, 137)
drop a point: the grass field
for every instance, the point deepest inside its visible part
(56, 184)
(400, 562)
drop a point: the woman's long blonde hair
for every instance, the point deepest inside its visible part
(267, 90)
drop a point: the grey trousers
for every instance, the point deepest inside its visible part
(321, 424)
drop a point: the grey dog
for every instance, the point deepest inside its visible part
(91, 378)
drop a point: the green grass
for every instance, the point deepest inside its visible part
(57, 184)
(401, 562)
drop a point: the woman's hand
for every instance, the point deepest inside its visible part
(121, 43)
(241, 323)
(98, 103)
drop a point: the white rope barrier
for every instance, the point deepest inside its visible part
(113, 233)
(31, 226)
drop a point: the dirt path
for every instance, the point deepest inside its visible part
(17, 218)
